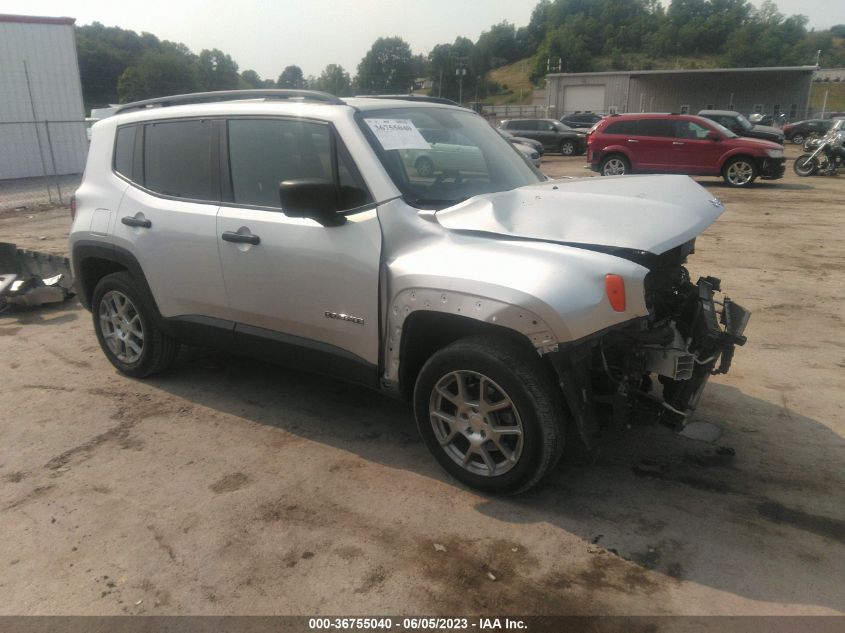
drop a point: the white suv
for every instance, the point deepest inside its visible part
(299, 228)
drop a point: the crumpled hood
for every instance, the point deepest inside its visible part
(646, 213)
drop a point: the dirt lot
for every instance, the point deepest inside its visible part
(229, 486)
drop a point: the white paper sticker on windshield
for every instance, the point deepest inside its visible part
(397, 134)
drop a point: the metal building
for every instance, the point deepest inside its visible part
(767, 90)
(42, 122)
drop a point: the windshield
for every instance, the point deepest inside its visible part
(438, 157)
(744, 122)
(721, 129)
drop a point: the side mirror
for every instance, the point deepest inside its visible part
(313, 198)
(713, 136)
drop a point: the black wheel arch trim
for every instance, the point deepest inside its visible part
(86, 250)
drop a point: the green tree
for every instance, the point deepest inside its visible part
(157, 74)
(217, 71)
(251, 79)
(386, 68)
(334, 80)
(291, 77)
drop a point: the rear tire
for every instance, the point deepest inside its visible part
(491, 414)
(126, 328)
(615, 165)
(805, 166)
(798, 139)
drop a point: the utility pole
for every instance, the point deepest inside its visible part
(460, 73)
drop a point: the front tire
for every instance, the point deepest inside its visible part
(567, 148)
(491, 414)
(739, 172)
(126, 329)
(805, 166)
(798, 139)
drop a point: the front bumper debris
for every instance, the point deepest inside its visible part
(30, 278)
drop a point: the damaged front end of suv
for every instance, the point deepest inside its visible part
(643, 349)
(654, 368)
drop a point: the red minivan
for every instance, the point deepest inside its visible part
(680, 144)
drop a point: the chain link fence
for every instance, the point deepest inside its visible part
(40, 162)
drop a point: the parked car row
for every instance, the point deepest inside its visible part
(554, 135)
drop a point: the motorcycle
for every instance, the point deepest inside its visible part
(828, 153)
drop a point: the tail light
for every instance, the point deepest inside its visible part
(614, 286)
(73, 207)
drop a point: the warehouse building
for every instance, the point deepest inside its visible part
(767, 90)
(42, 121)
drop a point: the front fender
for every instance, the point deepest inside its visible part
(549, 293)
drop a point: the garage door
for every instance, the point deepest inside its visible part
(583, 99)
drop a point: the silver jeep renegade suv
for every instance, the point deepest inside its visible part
(342, 237)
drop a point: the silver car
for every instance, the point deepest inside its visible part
(513, 312)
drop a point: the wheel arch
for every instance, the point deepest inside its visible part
(739, 153)
(422, 321)
(617, 149)
(94, 260)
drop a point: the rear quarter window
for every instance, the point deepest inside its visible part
(124, 149)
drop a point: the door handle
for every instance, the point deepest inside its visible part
(677, 143)
(630, 140)
(239, 238)
(133, 221)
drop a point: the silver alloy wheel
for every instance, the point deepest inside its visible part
(613, 167)
(740, 173)
(121, 327)
(567, 148)
(798, 139)
(476, 423)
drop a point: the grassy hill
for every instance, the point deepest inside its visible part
(513, 78)
(835, 96)
(516, 86)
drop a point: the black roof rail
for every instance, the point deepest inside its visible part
(230, 95)
(420, 98)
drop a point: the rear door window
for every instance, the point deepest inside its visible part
(628, 128)
(656, 127)
(179, 158)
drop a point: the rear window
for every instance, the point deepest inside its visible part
(178, 159)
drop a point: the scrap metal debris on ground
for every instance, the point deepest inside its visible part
(30, 278)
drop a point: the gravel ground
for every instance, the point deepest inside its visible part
(227, 486)
(37, 193)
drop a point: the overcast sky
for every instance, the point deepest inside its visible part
(267, 35)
